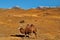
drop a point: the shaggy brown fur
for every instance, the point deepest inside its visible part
(29, 29)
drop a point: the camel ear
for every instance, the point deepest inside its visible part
(19, 27)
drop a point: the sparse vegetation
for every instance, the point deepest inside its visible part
(22, 21)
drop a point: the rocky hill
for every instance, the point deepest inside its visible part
(46, 20)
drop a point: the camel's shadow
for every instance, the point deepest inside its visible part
(19, 35)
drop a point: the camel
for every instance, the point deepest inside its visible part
(28, 30)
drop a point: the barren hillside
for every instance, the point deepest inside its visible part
(46, 20)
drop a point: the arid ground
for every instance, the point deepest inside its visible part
(46, 20)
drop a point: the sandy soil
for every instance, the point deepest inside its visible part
(48, 25)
